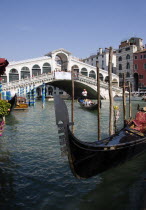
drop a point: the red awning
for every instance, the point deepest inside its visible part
(3, 64)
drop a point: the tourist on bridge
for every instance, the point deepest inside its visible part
(84, 93)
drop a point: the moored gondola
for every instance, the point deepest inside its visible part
(88, 159)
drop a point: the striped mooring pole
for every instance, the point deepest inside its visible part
(43, 94)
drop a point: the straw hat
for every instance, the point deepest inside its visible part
(144, 109)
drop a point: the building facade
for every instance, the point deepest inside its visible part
(124, 60)
(102, 57)
(139, 69)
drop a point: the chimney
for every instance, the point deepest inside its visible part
(100, 51)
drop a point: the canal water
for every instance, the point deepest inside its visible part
(34, 175)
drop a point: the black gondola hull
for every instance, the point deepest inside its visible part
(87, 161)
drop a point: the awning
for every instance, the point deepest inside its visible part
(3, 64)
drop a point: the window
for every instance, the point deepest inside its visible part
(135, 57)
(128, 66)
(144, 56)
(127, 48)
(120, 75)
(140, 76)
(120, 51)
(141, 56)
(127, 56)
(144, 65)
(120, 58)
(127, 74)
(120, 66)
(135, 66)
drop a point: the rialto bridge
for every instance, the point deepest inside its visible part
(54, 70)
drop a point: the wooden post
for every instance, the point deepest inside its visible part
(72, 104)
(111, 115)
(130, 111)
(98, 100)
(124, 99)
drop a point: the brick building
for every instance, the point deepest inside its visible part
(139, 70)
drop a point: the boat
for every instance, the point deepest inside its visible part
(13, 102)
(88, 104)
(21, 104)
(50, 98)
(87, 159)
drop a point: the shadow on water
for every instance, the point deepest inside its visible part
(122, 188)
(6, 179)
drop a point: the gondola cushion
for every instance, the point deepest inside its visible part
(140, 121)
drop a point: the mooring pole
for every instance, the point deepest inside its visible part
(0, 88)
(98, 100)
(111, 114)
(72, 104)
(130, 111)
(124, 99)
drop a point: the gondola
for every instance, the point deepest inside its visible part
(13, 101)
(88, 104)
(88, 159)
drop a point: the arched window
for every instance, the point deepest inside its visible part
(115, 82)
(107, 79)
(101, 76)
(25, 73)
(120, 58)
(92, 74)
(128, 65)
(13, 75)
(84, 71)
(127, 56)
(36, 70)
(46, 68)
(120, 66)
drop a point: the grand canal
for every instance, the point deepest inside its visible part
(34, 175)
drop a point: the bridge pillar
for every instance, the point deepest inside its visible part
(30, 96)
(8, 95)
(34, 94)
(22, 91)
(3, 95)
(43, 93)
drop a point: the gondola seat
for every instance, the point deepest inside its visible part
(140, 121)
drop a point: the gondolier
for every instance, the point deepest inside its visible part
(84, 93)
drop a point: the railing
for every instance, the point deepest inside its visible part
(49, 77)
(92, 81)
(27, 81)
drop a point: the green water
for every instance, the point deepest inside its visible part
(34, 175)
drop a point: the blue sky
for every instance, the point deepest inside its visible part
(32, 28)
